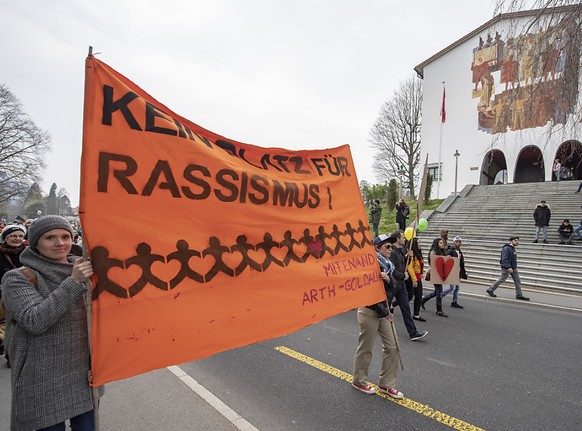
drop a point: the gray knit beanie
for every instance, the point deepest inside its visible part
(44, 224)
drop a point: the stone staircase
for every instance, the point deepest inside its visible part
(485, 217)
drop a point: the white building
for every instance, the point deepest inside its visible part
(512, 102)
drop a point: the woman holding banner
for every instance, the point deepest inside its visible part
(437, 249)
(47, 335)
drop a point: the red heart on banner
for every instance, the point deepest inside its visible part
(443, 267)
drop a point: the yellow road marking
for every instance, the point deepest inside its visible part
(405, 402)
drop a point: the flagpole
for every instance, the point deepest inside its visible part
(443, 114)
(88, 283)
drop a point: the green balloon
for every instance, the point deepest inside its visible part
(422, 224)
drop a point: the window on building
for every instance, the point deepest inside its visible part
(433, 171)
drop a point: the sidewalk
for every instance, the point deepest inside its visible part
(157, 400)
(538, 298)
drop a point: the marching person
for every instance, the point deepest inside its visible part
(416, 271)
(376, 319)
(399, 258)
(437, 249)
(509, 267)
(47, 332)
(455, 251)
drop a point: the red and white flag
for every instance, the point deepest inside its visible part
(443, 110)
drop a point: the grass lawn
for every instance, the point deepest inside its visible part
(388, 219)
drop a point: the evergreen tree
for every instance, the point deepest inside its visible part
(51, 202)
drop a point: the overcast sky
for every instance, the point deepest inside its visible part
(291, 74)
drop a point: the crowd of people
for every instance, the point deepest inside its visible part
(402, 267)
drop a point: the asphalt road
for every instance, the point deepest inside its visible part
(494, 365)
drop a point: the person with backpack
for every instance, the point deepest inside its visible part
(402, 211)
(47, 332)
(508, 264)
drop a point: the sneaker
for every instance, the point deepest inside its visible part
(491, 294)
(394, 393)
(456, 305)
(419, 318)
(441, 313)
(535, 241)
(523, 298)
(419, 335)
(545, 242)
(367, 389)
(561, 242)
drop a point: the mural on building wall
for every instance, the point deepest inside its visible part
(525, 81)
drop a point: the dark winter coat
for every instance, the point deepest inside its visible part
(402, 212)
(566, 230)
(375, 214)
(9, 258)
(542, 215)
(508, 257)
(398, 258)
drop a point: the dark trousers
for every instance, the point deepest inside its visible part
(416, 293)
(401, 300)
(83, 422)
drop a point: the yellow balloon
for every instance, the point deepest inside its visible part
(409, 233)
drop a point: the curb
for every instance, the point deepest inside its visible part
(527, 303)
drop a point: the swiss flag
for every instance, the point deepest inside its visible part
(443, 110)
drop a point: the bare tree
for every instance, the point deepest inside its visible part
(396, 135)
(22, 146)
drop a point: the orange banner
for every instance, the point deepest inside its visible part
(202, 244)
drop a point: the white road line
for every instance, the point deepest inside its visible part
(232, 416)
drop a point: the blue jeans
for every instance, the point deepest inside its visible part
(544, 229)
(83, 422)
(577, 231)
(452, 288)
(438, 292)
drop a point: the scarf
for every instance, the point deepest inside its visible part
(386, 265)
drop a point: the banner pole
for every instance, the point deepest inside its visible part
(89, 298)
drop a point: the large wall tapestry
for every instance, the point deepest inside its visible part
(526, 81)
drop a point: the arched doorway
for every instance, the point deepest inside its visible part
(530, 166)
(493, 169)
(570, 155)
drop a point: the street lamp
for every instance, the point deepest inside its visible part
(456, 155)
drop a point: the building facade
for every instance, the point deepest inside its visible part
(502, 103)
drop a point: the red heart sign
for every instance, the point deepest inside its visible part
(444, 267)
